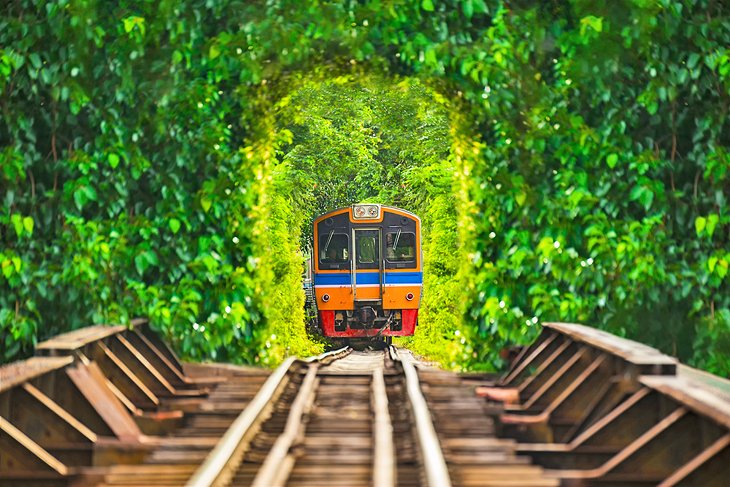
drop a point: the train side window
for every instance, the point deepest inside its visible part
(400, 247)
(333, 248)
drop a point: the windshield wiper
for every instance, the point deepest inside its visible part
(329, 239)
(397, 237)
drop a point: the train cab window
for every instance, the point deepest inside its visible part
(400, 247)
(334, 250)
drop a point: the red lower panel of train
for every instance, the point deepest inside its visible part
(409, 319)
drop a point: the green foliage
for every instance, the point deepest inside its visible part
(354, 137)
(598, 174)
(588, 143)
(121, 178)
(277, 258)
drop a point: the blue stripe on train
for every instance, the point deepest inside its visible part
(332, 279)
(403, 277)
(368, 278)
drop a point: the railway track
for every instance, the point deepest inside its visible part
(113, 406)
(363, 420)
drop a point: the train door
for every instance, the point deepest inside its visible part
(367, 262)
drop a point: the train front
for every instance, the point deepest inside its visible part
(367, 271)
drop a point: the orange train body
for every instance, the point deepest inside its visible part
(367, 271)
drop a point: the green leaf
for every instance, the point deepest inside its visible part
(205, 203)
(635, 193)
(79, 200)
(35, 60)
(612, 160)
(643, 194)
(174, 224)
(692, 60)
(83, 195)
(480, 6)
(113, 160)
(430, 57)
(700, 223)
(28, 225)
(520, 198)
(144, 260)
(128, 24)
(140, 263)
(17, 221)
(712, 221)
(647, 197)
(722, 268)
(468, 8)
(427, 5)
(90, 193)
(7, 266)
(132, 22)
(214, 51)
(595, 23)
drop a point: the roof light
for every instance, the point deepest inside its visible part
(366, 212)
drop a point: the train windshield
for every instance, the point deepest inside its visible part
(400, 246)
(367, 249)
(333, 248)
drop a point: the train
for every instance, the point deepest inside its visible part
(366, 272)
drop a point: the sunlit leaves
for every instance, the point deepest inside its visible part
(612, 160)
(132, 23)
(590, 22)
(706, 226)
(22, 225)
(174, 225)
(113, 160)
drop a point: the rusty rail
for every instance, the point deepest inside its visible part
(384, 468)
(224, 459)
(220, 462)
(279, 462)
(434, 464)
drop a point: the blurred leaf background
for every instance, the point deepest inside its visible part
(569, 160)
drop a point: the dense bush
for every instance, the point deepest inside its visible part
(140, 143)
(358, 137)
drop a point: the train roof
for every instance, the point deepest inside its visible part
(351, 208)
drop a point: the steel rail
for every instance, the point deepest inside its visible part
(216, 469)
(383, 453)
(222, 462)
(327, 357)
(434, 463)
(279, 462)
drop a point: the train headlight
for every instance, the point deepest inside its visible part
(325, 297)
(366, 212)
(409, 296)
